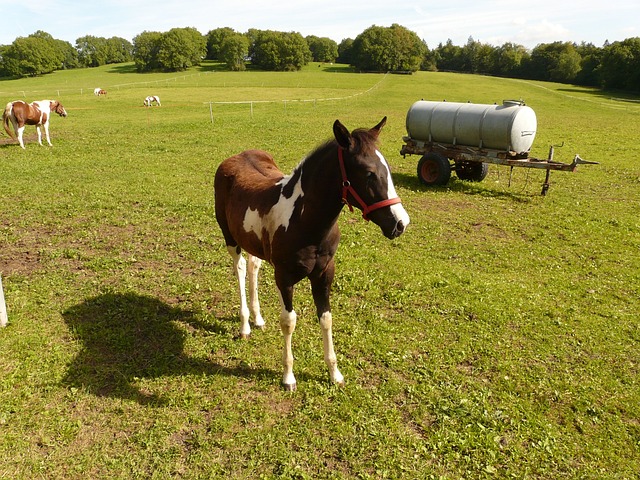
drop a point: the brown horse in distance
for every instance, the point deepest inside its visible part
(37, 113)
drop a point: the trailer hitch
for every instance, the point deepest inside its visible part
(572, 166)
(580, 161)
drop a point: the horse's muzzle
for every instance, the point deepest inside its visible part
(392, 221)
(397, 230)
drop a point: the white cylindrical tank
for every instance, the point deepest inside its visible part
(510, 126)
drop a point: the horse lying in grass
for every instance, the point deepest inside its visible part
(291, 222)
(20, 114)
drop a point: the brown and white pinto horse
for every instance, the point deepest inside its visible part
(151, 99)
(20, 113)
(291, 222)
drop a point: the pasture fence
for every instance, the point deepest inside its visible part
(89, 90)
(251, 103)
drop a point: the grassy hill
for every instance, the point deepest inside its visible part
(498, 337)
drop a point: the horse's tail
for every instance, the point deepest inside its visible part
(6, 115)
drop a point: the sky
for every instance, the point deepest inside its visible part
(493, 22)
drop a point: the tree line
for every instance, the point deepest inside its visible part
(377, 49)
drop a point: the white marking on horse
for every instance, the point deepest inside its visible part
(279, 215)
(397, 210)
(151, 99)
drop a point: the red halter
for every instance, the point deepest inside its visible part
(347, 188)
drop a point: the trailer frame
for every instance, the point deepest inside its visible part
(435, 169)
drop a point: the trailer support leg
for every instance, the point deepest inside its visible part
(545, 185)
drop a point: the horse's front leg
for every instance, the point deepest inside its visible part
(254, 302)
(288, 319)
(240, 269)
(46, 133)
(39, 134)
(321, 287)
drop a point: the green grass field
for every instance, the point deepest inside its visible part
(497, 338)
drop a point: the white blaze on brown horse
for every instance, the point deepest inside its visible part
(20, 114)
(291, 222)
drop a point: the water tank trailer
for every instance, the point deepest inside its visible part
(473, 135)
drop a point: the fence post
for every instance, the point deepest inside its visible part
(3, 307)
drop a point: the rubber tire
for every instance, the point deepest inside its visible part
(434, 169)
(472, 171)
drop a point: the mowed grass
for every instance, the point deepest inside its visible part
(497, 338)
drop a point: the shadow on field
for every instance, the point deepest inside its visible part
(126, 337)
(411, 182)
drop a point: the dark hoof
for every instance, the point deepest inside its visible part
(289, 387)
(244, 336)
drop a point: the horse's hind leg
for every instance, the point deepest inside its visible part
(240, 269)
(254, 302)
(288, 320)
(19, 132)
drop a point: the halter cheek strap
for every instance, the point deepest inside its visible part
(347, 188)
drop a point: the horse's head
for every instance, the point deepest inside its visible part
(366, 178)
(57, 107)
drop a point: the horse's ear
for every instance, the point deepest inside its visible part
(375, 131)
(342, 135)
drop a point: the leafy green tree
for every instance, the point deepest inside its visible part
(429, 61)
(508, 59)
(450, 57)
(3, 50)
(323, 49)
(409, 49)
(181, 48)
(345, 51)
(620, 66)
(591, 58)
(92, 51)
(37, 54)
(373, 50)
(215, 39)
(477, 57)
(97, 51)
(69, 55)
(388, 49)
(119, 50)
(234, 50)
(555, 62)
(145, 51)
(279, 51)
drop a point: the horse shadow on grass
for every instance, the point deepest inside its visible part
(126, 337)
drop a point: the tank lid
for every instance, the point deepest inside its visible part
(513, 103)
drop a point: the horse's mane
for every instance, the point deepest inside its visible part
(363, 141)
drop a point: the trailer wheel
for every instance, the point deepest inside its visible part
(434, 169)
(472, 171)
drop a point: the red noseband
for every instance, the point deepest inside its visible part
(347, 188)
